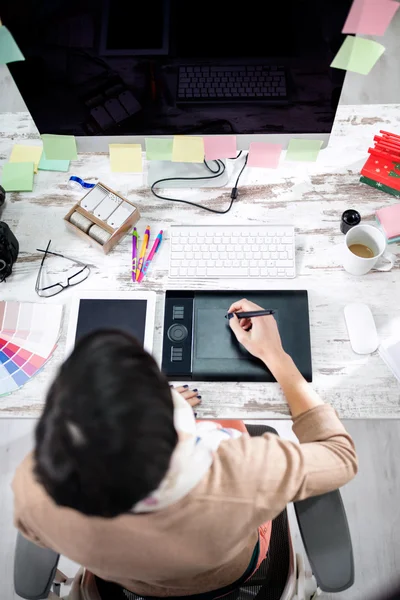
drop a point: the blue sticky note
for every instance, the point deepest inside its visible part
(53, 165)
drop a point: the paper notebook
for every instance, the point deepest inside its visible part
(389, 218)
(389, 351)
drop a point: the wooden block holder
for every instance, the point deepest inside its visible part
(116, 234)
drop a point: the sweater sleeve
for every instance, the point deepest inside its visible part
(270, 472)
(324, 460)
(22, 475)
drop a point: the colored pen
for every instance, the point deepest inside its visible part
(250, 314)
(134, 252)
(145, 243)
(156, 245)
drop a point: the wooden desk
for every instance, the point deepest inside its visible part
(312, 196)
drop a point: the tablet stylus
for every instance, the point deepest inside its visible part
(250, 314)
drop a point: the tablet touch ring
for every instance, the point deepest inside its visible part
(177, 333)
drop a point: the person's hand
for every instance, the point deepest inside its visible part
(260, 335)
(192, 396)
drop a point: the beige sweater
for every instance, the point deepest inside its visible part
(204, 541)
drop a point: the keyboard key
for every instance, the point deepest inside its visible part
(254, 272)
(224, 272)
(284, 263)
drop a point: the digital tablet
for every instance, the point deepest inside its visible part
(133, 312)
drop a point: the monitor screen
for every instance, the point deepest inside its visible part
(163, 67)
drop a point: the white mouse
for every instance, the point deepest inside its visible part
(361, 327)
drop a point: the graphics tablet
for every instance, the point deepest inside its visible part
(198, 343)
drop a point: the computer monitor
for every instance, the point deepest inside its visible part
(121, 71)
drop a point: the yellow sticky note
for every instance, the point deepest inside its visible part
(188, 149)
(126, 158)
(26, 154)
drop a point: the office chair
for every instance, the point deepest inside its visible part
(282, 576)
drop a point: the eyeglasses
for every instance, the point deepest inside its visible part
(56, 288)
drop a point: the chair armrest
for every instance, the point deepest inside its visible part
(325, 532)
(34, 569)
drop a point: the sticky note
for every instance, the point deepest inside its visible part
(59, 147)
(9, 51)
(24, 154)
(187, 148)
(264, 155)
(220, 146)
(358, 55)
(370, 17)
(126, 158)
(52, 165)
(303, 150)
(18, 177)
(159, 148)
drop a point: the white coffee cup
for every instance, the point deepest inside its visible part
(372, 238)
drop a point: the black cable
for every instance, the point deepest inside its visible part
(220, 171)
(234, 192)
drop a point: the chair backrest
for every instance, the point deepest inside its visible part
(34, 569)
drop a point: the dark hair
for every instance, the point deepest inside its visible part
(106, 435)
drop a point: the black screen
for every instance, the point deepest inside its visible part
(127, 315)
(110, 68)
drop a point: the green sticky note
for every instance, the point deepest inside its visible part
(18, 177)
(53, 165)
(187, 148)
(358, 55)
(303, 150)
(9, 51)
(159, 148)
(59, 147)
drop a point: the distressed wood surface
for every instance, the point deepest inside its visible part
(311, 196)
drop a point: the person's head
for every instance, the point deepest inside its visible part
(106, 435)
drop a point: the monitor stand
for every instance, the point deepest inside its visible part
(159, 169)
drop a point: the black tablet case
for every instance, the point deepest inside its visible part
(217, 356)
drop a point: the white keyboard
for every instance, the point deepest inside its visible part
(234, 251)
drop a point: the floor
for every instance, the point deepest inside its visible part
(371, 500)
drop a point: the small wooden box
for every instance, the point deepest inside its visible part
(116, 234)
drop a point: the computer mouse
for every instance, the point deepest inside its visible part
(361, 327)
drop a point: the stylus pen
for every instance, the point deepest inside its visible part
(251, 314)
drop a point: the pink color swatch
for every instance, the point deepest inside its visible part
(264, 155)
(219, 146)
(370, 17)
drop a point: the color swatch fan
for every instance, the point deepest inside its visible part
(28, 337)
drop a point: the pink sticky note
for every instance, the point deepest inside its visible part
(370, 17)
(264, 155)
(219, 146)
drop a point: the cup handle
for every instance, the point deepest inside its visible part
(389, 257)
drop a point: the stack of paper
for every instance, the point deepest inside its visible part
(28, 337)
(390, 353)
